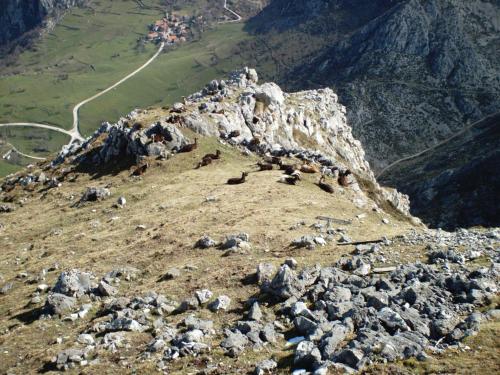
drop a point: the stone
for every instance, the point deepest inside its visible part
(270, 94)
(124, 324)
(121, 201)
(93, 194)
(331, 341)
(42, 288)
(350, 357)
(266, 366)
(304, 325)
(268, 333)
(235, 241)
(234, 343)
(203, 296)
(304, 241)
(6, 288)
(5, 208)
(338, 294)
(255, 313)
(306, 354)
(106, 289)
(376, 299)
(68, 358)
(172, 273)
(126, 272)
(74, 283)
(391, 320)
(205, 242)
(85, 339)
(60, 304)
(265, 272)
(292, 263)
(286, 284)
(191, 303)
(493, 314)
(221, 303)
(194, 323)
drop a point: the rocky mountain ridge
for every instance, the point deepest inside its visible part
(310, 125)
(18, 17)
(411, 73)
(140, 259)
(414, 75)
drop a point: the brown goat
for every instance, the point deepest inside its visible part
(236, 181)
(309, 168)
(140, 170)
(324, 186)
(264, 166)
(215, 156)
(190, 147)
(343, 179)
(208, 158)
(204, 162)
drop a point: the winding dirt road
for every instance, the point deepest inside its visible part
(238, 17)
(467, 128)
(74, 132)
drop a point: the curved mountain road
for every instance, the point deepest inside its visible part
(13, 148)
(238, 17)
(464, 130)
(74, 132)
(77, 107)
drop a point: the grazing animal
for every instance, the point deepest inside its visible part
(309, 168)
(264, 166)
(204, 162)
(236, 181)
(324, 186)
(208, 158)
(215, 156)
(288, 168)
(140, 170)
(290, 180)
(343, 179)
(190, 147)
(272, 159)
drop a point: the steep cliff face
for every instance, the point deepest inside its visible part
(20, 16)
(411, 73)
(456, 184)
(414, 75)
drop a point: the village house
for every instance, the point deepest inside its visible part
(170, 29)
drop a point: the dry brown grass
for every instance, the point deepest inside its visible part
(170, 200)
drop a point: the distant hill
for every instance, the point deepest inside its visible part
(18, 17)
(456, 184)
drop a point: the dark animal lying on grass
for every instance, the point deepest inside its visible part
(190, 147)
(324, 186)
(236, 181)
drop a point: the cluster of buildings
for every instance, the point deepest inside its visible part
(170, 29)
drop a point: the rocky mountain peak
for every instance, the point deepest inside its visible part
(260, 118)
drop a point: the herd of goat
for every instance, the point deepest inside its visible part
(292, 172)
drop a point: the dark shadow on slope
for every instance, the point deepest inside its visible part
(334, 16)
(112, 168)
(30, 316)
(457, 184)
